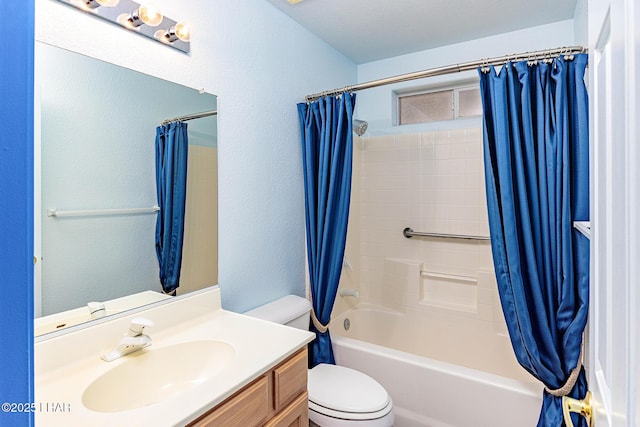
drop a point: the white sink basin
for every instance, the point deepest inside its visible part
(154, 374)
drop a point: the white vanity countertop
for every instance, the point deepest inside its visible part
(66, 365)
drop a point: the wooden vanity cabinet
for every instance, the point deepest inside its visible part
(278, 398)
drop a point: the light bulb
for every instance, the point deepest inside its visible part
(145, 14)
(182, 31)
(150, 15)
(125, 20)
(179, 31)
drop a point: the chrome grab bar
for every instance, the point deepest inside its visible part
(409, 233)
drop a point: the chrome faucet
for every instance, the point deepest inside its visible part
(133, 340)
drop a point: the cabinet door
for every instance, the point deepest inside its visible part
(249, 407)
(295, 415)
(290, 380)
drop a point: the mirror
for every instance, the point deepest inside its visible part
(95, 147)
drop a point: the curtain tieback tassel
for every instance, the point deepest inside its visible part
(571, 381)
(319, 326)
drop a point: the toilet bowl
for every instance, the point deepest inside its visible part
(338, 396)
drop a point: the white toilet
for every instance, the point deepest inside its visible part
(338, 396)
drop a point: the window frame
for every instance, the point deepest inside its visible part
(455, 86)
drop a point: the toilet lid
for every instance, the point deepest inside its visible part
(345, 390)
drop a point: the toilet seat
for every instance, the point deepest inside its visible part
(341, 396)
(351, 416)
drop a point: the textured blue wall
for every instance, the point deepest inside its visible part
(16, 209)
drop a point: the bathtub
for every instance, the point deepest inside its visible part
(429, 392)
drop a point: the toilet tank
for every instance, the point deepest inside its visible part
(290, 310)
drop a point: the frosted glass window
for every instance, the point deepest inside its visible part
(426, 107)
(469, 103)
(457, 102)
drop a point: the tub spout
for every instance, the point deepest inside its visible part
(349, 293)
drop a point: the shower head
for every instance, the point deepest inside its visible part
(360, 127)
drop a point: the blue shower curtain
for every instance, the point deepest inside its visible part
(171, 188)
(536, 155)
(327, 151)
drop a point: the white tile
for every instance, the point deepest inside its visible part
(474, 150)
(373, 156)
(443, 213)
(427, 224)
(441, 226)
(458, 151)
(427, 208)
(441, 137)
(474, 134)
(442, 151)
(472, 197)
(473, 166)
(457, 136)
(464, 213)
(427, 138)
(427, 152)
(378, 142)
(408, 140)
(414, 152)
(414, 170)
(457, 182)
(451, 197)
(473, 182)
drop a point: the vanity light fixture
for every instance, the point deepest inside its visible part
(145, 19)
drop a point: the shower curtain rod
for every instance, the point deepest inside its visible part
(456, 68)
(191, 117)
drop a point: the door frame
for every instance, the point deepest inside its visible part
(615, 210)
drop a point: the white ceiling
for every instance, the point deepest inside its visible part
(369, 30)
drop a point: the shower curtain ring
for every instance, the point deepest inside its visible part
(568, 55)
(485, 68)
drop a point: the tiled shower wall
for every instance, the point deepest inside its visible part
(431, 182)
